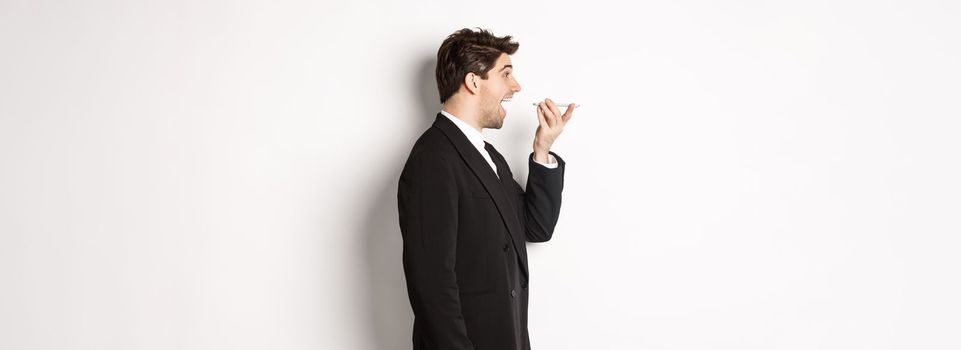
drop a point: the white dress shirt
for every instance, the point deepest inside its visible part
(477, 139)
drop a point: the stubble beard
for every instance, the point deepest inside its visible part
(491, 117)
(494, 122)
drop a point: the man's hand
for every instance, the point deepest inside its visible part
(551, 125)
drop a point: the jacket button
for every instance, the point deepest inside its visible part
(513, 293)
(524, 286)
(507, 247)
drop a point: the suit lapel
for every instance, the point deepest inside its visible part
(478, 165)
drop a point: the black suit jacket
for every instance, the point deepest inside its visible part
(464, 233)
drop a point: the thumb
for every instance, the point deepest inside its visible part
(568, 113)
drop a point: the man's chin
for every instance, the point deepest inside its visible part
(494, 122)
(495, 125)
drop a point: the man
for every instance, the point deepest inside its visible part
(464, 219)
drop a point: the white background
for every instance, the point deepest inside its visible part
(222, 175)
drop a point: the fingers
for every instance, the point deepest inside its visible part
(548, 114)
(557, 112)
(541, 119)
(552, 115)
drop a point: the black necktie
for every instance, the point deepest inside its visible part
(490, 152)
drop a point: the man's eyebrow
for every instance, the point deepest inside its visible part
(507, 66)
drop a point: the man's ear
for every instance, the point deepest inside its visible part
(472, 83)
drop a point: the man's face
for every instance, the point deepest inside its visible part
(500, 85)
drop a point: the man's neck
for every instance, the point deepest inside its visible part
(461, 112)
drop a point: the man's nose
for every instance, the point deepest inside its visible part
(517, 87)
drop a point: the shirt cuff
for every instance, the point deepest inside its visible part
(551, 162)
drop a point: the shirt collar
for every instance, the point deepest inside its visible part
(474, 136)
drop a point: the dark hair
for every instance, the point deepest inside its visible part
(467, 51)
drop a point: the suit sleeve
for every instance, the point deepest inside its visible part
(427, 204)
(542, 199)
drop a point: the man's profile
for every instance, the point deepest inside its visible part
(464, 220)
